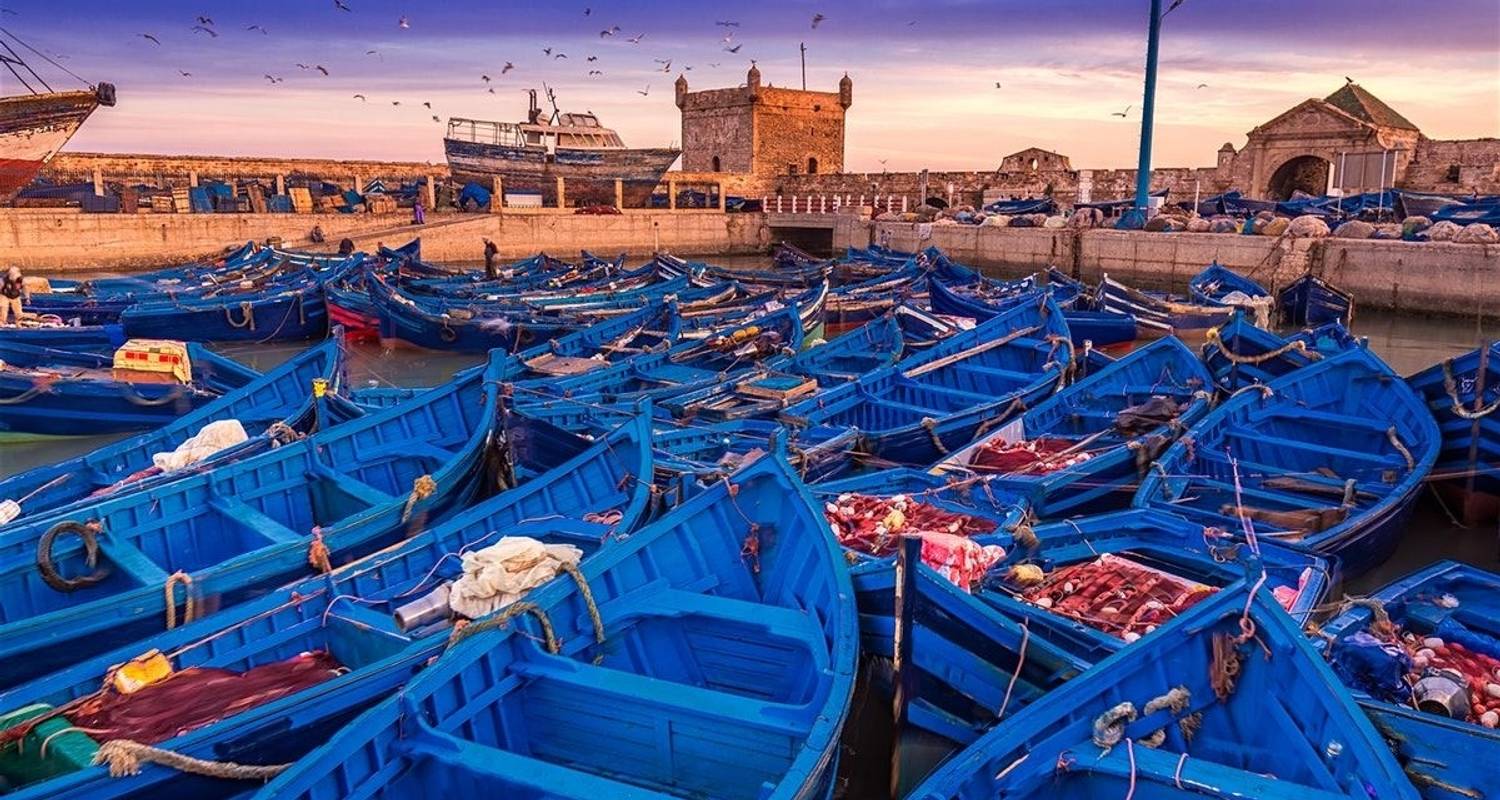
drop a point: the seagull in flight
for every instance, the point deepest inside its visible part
(997, 84)
(485, 78)
(403, 23)
(507, 68)
(595, 72)
(734, 49)
(361, 98)
(209, 31)
(817, 20)
(151, 38)
(587, 11)
(273, 78)
(322, 69)
(560, 55)
(714, 64)
(492, 90)
(592, 59)
(263, 31)
(184, 74)
(428, 104)
(610, 31)
(1202, 86)
(547, 50)
(1122, 114)
(395, 102)
(303, 66)
(339, 4)
(644, 93)
(636, 39)
(435, 118)
(205, 20)
(727, 23)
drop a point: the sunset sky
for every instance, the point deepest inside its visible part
(924, 71)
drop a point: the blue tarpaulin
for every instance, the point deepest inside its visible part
(474, 196)
(1044, 205)
(1485, 210)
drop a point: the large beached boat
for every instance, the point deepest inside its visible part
(529, 157)
(35, 125)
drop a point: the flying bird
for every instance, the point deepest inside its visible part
(610, 31)
(1124, 113)
(339, 4)
(428, 104)
(485, 78)
(644, 93)
(997, 84)
(403, 23)
(667, 67)
(1202, 86)
(273, 78)
(395, 102)
(205, 21)
(209, 31)
(492, 91)
(734, 49)
(322, 69)
(1348, 79)
(714, 65)
(361, 98)
(595, 72)
(435, 118)
(817, 20)
(911, 23)
(151, 38)
(588, 11)
(507, 68)
(636, 39)
(560, 55)
(184, 74)
(263, 31)
(304, 66)
(592, 59)
(547, 50)
(727, 23)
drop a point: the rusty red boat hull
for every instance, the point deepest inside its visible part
(33, 128)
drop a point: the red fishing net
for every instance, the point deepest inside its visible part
(875, 526)
(1116, 595)
(194, 697)
(1480, 672)
(1035, 456)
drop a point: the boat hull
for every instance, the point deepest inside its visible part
(32, 129)
(588, 175)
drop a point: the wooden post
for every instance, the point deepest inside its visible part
(497, 197)
(431, 195)
(903, 672)
(672, 195)
(721, 197)
(193, 178)
(903, 204)
(98, 182)
(562, 192)
(359, 184)
(281, 184)
(620, 194)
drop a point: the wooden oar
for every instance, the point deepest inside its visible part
(939, 363)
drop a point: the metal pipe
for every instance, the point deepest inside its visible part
(1148, 110)
(903, 672)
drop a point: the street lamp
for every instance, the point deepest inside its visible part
(1148, 114)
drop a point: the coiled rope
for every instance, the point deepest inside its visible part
(247, 315)
(1450, 385)
(1390, 434)
(88, 532)
(1236, 358)
(190, 604)
(1176, 700)
(421, 489)
(503, 619)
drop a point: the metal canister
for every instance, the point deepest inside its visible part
(1442, 692)
(425, 610)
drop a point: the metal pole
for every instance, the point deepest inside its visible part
(1148, 110)
(803, 47)
(903, 672)
(1380, 209)
(1342, 181)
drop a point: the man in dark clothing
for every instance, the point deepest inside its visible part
(346, 247)
(12, 291)
(491, 271)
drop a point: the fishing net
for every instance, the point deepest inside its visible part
(1147, 416)
(1307, 226)
(188, 699)
(1033, 455)
(1477, 233)
(1116, 595)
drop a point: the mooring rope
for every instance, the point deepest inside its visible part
(421, 489)
(125, 757)
(503, 619)
(247, 315)
(1236, 358)
(1390, 433)
(1450, 385)
(190, 604)
(588, 599)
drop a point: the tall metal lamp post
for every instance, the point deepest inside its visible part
(1148, 114)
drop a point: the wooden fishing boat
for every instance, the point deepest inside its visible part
(730, 623)
(540, 155)
(763, 394)
(1101, 328)
(692, 458)
(77, 392)
(291, 309)
(1462, 393)
(1159, 719)
(1330, 457)
(283, 395)
(854, 304)
(460, 330)
(1159, 314)
(1218, 285)
(1085, 448)
(1241, 353)
(935, 401)
(58, 335)
(79, 583)
(1311, 301)
(305, 657)
(1394, 648)
(922, 328)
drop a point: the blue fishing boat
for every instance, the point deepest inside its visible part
(1329, 457)
(1312, 301)
(460, 329)
(1102, 328)
(1429, 702)
(691, 458)
(1158, 313)
(1227, 701)
(91, 578)
(73, 392)
(1086, 448)
(870, 347)
(65, 337)
(281, 396)
(935, 401)
(1241, 353)
(303, 658)
(1221, 286)
(730, 623)
(288, 310)
(1462, 393)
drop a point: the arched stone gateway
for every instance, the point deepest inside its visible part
(1307, 173)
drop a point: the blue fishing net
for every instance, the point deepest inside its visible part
(1368, 665)
(1451, 631)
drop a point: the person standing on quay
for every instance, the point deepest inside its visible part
(491, 271)
(418, 215)
(12, 292)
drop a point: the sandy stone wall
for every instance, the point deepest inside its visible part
(163, 170)
(1477, 162)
